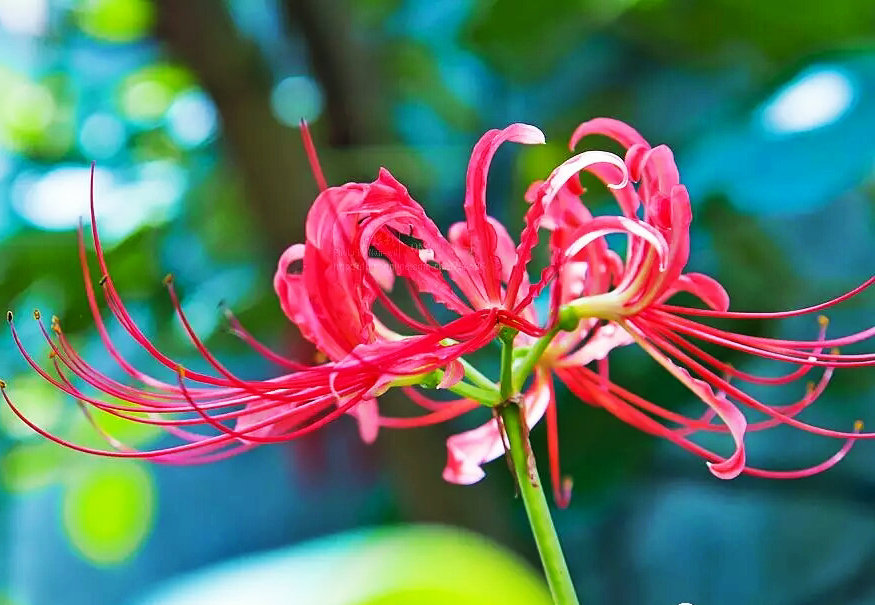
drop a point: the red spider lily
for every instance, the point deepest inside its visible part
(359, 238)
(363, 238)
(220, 414)
(619, 301)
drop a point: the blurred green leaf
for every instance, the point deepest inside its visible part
(525, 40)
(374, 12)
(413, 565)
(721, 30)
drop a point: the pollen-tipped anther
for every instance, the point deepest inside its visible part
(823, 320)
(36, 314)
(168, 279)
(103, 280)
(2, 384)
(858, 426)
(9, 316)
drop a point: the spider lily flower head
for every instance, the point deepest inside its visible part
(602, 301)
(364, 239)
(360, 240)
(218, 414)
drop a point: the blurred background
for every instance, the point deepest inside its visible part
(190, 110)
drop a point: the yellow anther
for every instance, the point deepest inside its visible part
(858, 425)
(809, 388)
(823, 320)
(320, 357)
(834, 351)
(181, 371)
(168, 279)
(36, 314)
(2, 384)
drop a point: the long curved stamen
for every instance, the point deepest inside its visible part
(843, 341)
(769, 315)
(248, 386)
(736, 393)
(591, 391)
(692, 349)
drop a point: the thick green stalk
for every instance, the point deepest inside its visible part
(552, 559)
(531, 490)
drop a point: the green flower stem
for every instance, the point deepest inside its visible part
(526, 473)
(469, 391)
(552, 559)
(525, 366)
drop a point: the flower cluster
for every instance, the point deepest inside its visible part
(365, 242)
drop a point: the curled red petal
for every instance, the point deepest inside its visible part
(609, 127)
(482, 234)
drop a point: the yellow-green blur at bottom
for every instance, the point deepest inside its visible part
(410, 565)
(108, 511)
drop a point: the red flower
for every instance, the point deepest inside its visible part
(617, 301)
(362, 239)
(238, 414)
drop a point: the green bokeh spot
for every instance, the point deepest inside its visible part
(115, 20)
(29, 466)
(109, 511)
(146, 94)
(39, 401)
(35, 116)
